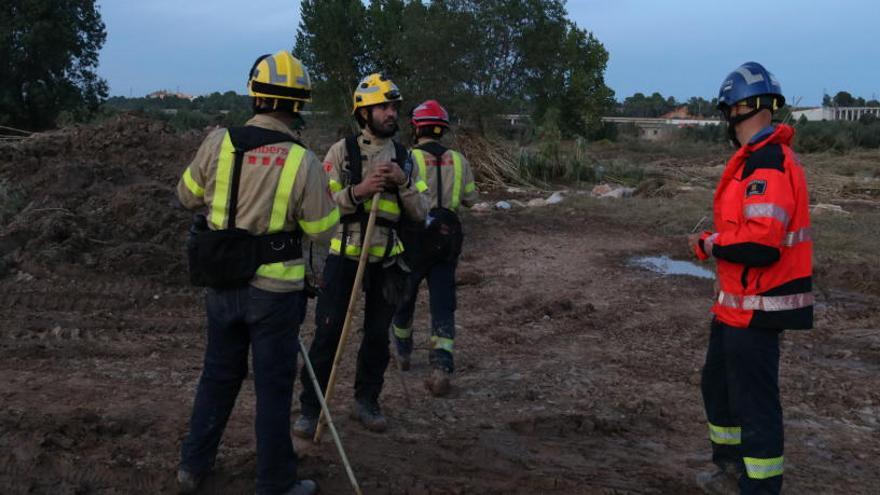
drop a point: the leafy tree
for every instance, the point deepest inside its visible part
(330, 42)
(638, 105)
(48, 56)
(702, 107)
(478, 57)
(844, 99)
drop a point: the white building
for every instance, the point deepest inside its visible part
(834, 113)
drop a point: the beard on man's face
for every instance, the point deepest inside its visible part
(385, 129)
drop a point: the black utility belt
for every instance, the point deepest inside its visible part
(273, 248)
(230, 258)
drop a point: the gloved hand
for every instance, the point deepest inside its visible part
(701, 244)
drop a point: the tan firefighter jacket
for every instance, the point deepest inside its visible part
(455, 174)
(412, 202)
(282, 189)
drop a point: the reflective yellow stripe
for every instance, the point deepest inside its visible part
(725, 435)
(421, 186)
(456, 181)
(384, 205)
(335, 187)
(280, 271)
(442, 343)
(470, 188)
(761, 469)
(352, 250)
(420, 161)
(223, 182)
(401, 333)
(281, 203)
(191, 184)
(322, 225)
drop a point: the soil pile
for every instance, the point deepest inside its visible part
(99, 197)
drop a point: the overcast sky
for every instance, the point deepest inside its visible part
(680, 48)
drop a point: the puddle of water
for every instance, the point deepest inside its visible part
(668, 266)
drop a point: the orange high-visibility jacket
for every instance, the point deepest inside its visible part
(763, 244)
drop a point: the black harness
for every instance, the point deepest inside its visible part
(360, 215)
(229, 257)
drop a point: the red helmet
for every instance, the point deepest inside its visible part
(430, 113)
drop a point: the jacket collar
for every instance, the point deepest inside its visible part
(782, 134)
(271, 123)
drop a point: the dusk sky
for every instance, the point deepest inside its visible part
(680, 48)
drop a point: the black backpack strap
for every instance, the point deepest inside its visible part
(243, 140)
(438, 150)
(355, 160)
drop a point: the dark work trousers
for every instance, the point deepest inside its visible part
(373, 355)
(741, 396)
(440, 274)
(267, 322)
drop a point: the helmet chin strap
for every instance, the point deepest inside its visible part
(733, 121)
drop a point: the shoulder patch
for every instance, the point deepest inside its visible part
(756, 188)
(769, 156)
(328, 167)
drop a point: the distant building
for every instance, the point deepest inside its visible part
(834, 113)
(680, 113)
(162, 94)
(665, 126)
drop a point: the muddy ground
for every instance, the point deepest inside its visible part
(577, 372)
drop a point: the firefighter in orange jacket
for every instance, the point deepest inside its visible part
(763, 250)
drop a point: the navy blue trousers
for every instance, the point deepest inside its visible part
(741, 395)
(373, 355)
(440, 274)
(238, 320)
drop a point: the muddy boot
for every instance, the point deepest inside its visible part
(188, 482)
(305, 426)
(439, 382)
(720, 481)
(303, 487)
(370, 415)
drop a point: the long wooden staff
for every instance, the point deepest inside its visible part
(352, 302)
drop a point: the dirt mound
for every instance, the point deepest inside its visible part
(99, 197)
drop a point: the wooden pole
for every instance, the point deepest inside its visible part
(352, 302)
(326, 411)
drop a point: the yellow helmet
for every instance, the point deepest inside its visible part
(374, 90)
(280, 76)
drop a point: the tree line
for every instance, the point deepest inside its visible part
(478, 57)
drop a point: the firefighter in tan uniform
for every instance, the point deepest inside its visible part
(359, 167)
(433, 252)
(262, 191)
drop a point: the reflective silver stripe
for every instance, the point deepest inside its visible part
(766, 210)
(766, 303)
(798, 236)
(709, 243)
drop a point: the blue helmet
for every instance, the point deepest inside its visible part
(750, 80)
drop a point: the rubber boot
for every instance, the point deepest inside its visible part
(305, 426)
(720, 481)
(303, 487)
(439, 383)
(370, 415)
(188, 482)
